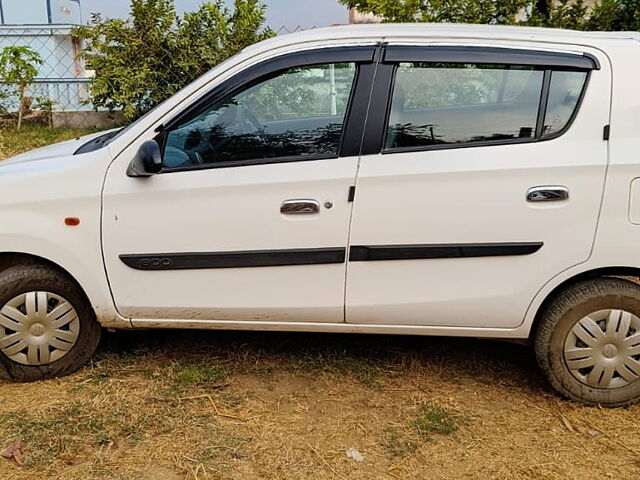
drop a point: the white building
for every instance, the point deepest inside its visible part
(45, 26)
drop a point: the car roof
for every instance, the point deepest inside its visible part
(391, 31)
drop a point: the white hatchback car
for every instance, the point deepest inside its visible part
(403, 179)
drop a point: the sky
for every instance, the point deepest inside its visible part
(290, 13)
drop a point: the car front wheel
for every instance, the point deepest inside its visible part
(47, 326)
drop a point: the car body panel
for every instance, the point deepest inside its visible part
(39, 189)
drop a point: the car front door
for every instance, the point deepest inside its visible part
(248, 219)
(479, 181)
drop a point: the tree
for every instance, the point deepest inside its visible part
(615, 15)
(18, 68)
(141, 61)
(574, 14)
(455, 11)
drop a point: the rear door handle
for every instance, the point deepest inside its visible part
(547, 193)
(300, 206)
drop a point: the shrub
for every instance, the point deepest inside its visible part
(141, 61)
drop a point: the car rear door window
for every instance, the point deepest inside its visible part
(435, 105)
(439, 104)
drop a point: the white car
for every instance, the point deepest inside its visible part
(457, 180)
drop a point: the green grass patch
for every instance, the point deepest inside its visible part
(398, 445)
(200, 373)
(171, 379)
(364, 368)
(434, 420)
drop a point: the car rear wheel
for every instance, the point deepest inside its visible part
(47, 326)
(588, 342)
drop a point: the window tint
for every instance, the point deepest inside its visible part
(299, 112)
(564, 93)
(454, 103)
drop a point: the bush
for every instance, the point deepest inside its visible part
(141, 61)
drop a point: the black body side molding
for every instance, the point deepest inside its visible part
(318, 256)
(418, 252)
(251, 258)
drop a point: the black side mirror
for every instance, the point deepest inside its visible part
(147, 162)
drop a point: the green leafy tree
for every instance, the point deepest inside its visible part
(18, 68)
(615, 15)
(141, 61)
(573, 14)
(456, 11)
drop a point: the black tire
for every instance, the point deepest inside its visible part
(557, 320)
(26, 278)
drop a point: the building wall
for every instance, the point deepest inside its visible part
(45, 27)
(357, 17)
(40, 12)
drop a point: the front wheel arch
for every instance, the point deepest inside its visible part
(12, 259)
(49, 327)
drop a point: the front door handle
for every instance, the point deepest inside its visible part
(300, 206)
(547, 193)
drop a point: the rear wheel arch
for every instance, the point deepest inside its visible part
(587, 342)
(624, 272)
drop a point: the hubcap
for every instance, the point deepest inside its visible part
(602, 350)
(37, 328)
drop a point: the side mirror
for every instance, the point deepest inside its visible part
(147, 162)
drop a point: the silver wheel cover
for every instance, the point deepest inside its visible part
(37, 328)
(602, 350)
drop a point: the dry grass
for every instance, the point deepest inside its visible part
(205, 405)
(229, 405)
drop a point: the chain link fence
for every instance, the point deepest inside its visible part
(60, 95)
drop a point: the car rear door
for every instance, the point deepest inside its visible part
(481, 178)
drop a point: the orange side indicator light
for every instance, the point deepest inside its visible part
(72, 221)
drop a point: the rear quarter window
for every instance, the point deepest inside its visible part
(565, 91)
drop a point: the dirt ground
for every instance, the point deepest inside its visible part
(231, 405)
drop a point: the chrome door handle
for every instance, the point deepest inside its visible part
(299, 206)
(547, 193)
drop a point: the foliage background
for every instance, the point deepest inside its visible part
(574, 14)
(141, 61)
(145, 59)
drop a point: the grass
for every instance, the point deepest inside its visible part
(398, 444)
(198, 405)
(116, 406)
(204, 374)
(431, 421)
(48, 434)
(13, 142)
(435, 420)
